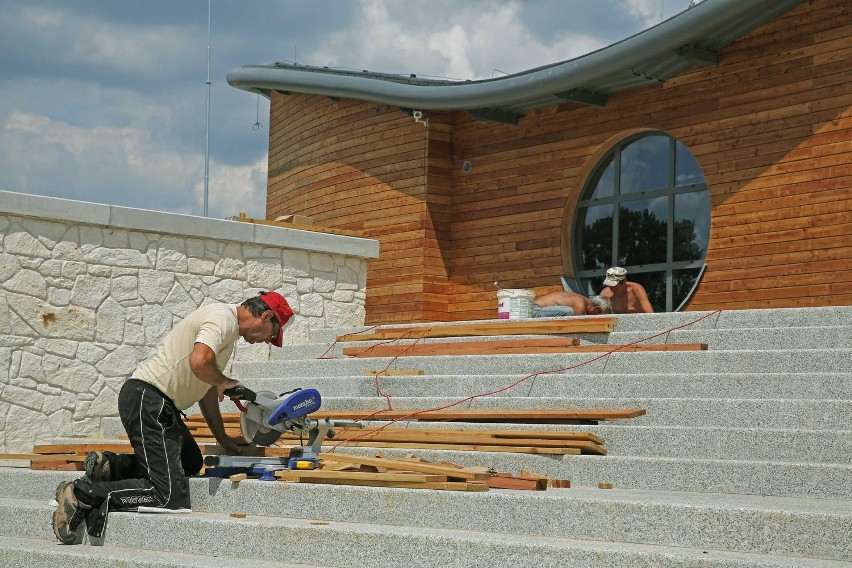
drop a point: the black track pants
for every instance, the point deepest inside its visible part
(155, 475)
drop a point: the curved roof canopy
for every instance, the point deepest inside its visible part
(652, 56)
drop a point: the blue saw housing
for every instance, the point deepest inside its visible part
(299, 404)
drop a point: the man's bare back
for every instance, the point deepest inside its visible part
(576, 302)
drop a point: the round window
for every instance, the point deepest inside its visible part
(645, 208)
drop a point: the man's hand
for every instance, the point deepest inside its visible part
(233, 445)
(220, 388)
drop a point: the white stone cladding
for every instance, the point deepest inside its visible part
(87, 290)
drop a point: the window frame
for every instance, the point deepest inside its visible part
(613, 155)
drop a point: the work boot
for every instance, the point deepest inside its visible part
(68, 515)
(97, 467)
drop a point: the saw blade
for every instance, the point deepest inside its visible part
(255, 432)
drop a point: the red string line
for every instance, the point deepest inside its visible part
(344, 336)
(519, 381)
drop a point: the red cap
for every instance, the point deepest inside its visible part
(282, 311)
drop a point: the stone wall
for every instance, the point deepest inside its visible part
(87, 290)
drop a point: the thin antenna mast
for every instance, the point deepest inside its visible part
(207, 134)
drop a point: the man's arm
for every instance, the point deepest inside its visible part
(202, 361)
(209, 405)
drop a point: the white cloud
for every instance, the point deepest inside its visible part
(121, 166)
(650, 12)
(470, 41)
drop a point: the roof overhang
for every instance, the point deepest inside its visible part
(652, 56)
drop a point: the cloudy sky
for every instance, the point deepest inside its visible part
(105, 100)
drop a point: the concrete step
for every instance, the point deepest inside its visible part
(814, 386)
(701, 412)
(717, 339)
(733, 319)
(730, 361)
(43, 552)
(192, 540)
(419, 520)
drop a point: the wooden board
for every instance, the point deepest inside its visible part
(511, 482)
(563, 451)
(568, 325)
(407, 465)
(497, 416)
(296, 474)
(549, 416)
(509, 347)
(299, 226)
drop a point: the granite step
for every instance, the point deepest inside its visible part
(814, 528)
(704, 412)
(727, 319)
(716, 339)
(728, 361)
(814, 386)
(42, 552)
(212, 539)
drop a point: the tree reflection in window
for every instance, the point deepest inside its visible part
(651, 215)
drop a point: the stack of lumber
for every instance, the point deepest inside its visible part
(409, 472)
(510, 347)
(526, 327)
(517, 441)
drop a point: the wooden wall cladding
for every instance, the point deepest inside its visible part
(770, 127)
(363, 167)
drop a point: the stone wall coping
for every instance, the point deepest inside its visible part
(55, 208)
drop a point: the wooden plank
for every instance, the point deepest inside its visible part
(294, 474)
(82, 448)
(565, 451)
(474, 443)
(526, 483)
(537, 416)
(312, 228)
(527, 416)
(40, 457)
(508, 347)
(572, 325)
(405, 465)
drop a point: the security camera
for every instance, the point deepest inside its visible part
(418, 115)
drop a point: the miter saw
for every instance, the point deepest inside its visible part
(265, 416)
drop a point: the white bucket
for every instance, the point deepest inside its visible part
(515, 304)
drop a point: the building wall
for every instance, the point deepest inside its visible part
(770, 127)
(87, 291)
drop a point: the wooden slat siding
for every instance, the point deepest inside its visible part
(770, 127)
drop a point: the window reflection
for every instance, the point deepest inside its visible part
(687, 171)
(644, 164)
(691, 225)
(596, 237)
(642, 231)
(682, 283)
(604, 187)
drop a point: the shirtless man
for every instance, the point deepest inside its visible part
(557, 304)
(627, 297)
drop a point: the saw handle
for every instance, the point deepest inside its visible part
(240, 393)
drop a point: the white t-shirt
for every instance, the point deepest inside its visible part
(214, 325)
